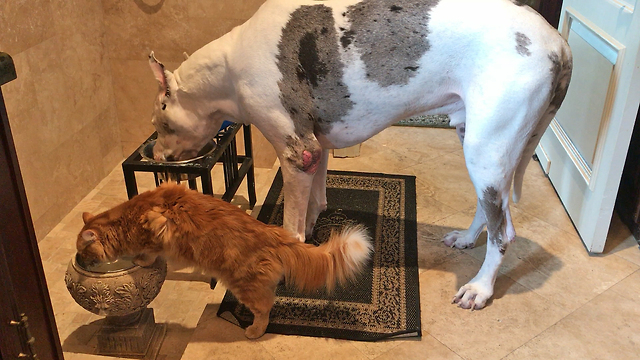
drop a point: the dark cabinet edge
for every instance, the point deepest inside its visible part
(7, 69)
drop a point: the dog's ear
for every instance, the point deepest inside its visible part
(155, 221)
(86, 217)
(87, 237)
(163, 76)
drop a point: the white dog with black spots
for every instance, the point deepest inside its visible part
(317, 75)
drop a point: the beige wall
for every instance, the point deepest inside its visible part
(171, 29)
(83, 95)
(60, 108)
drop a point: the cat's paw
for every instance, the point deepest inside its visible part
(144, 260)
(254, 331)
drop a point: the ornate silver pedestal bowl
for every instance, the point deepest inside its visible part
(121, 291)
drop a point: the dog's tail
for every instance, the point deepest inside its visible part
(339, 259)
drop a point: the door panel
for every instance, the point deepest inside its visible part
(28, 292)
(583, 150)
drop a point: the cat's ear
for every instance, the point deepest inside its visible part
(155, 221)
(86, 217)
(87, 237)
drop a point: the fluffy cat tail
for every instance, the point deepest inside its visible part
(339, 259)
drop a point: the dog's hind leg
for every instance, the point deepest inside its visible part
(318, 196)
(491, 177)
(462, 239)
(498, 126)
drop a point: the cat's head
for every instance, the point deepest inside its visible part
(92, 243)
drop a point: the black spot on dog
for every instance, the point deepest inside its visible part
(311, 68)
(347, 38)
(494, 213)
(522, 43)
(390, 45)
(561, 69)
(309, 60)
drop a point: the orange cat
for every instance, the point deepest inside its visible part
(199, 230)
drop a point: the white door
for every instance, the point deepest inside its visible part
(584, 149)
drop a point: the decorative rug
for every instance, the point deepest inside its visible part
(439, 121)
(384, 301)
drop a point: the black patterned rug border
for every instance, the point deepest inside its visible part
(412, 298)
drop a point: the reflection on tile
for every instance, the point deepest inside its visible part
(425, 348)
(608, 327)
(215, 337)
(312, 348)
(547, 259)
(540, 200)
(446, 178)
(512, 317)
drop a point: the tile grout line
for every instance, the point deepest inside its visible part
(569, 314)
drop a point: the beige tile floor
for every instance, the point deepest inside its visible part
(552, 300)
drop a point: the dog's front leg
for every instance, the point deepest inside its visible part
(300, 159)
(318, 197)
(297, 187)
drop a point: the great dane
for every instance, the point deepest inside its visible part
(315, 75)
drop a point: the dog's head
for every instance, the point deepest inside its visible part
(184, 123)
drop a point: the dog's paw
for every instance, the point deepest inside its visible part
(254, 331)
(460, 239)
(473, 296)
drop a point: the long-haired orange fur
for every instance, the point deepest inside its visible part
(198, 230)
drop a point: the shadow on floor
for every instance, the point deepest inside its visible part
(523, 257)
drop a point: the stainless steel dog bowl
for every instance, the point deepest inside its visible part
(146, 151)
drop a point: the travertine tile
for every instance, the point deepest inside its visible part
(446, 179)
(549, 290)
(218, 338)
(546, 260)
(312, 348)
(620, 242)
(539, 199)
(135, 89)
(425, 348)
(24, 24)
(135, 28)
(373, 159)
(608, 327)
(421, 144)
(430, 210)
(629, 287)
(511, 318)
